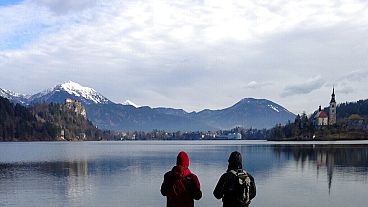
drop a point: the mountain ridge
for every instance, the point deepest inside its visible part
(248, 112)
(14, 97)
(74, 90)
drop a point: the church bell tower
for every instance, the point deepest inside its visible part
(332, 117)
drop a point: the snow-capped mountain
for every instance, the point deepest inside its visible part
(248, 112)
(130, 103)
(72, 90)
(14, 97)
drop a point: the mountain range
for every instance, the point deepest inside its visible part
(248, 112)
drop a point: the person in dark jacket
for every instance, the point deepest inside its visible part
(180, 186)
(225, 186)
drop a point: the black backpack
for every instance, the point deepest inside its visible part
(241, 188)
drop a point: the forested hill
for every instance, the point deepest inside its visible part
(43, 122)
(344, 110)
(304, 127)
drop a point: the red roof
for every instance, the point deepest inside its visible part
(322, 114)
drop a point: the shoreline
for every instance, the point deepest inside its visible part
(206, 142)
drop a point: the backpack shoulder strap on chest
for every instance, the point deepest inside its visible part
(242, 173)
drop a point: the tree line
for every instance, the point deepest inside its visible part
(303, 127)
(49, 122)
(44, 122)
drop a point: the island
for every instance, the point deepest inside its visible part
(345, 121)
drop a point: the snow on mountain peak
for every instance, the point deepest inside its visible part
(15, 97)
(128, 102)
(71, 84)
(78, 90)
(4, 93)
(75, 88)
(273, 107)
(7, 93)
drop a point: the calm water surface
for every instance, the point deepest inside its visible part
(130, 173)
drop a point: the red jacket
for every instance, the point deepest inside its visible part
(180, 186)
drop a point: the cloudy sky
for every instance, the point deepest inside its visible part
(190, 54)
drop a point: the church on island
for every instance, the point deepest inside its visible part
(322, 118)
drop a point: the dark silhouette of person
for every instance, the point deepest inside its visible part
(236, 187)
(180, 186)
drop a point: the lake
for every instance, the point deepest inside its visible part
(130, 173)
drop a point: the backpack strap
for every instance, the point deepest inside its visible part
(237, 172)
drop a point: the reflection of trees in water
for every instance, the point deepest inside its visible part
(74, 176)
(77, 179)
(350, 159)
(80, 177)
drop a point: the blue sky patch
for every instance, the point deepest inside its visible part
(9, 2)
(14, 42)
(22, 37)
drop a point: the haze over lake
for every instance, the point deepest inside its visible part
(131, 173)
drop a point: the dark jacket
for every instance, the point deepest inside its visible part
(223, 185)
(221, 190)
(180, 186)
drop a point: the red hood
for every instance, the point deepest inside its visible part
(182, 159)
(181, 171)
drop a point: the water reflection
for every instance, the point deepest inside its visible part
(118, 175)
(349, 159)
(77, 180)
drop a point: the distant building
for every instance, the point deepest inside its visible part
(76, 106)
(229, 136)
(69, 100)
(234, 136)
(322, 118)
(62, 134)
(332, 118)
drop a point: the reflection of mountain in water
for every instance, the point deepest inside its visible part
(96, 176)
(73, 174)
(85, 178)
(349, 159)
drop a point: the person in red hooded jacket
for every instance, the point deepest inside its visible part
(180, 186)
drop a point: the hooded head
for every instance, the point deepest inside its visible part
(182, 159)
(235, 161)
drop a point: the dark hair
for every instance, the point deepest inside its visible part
(235, 161)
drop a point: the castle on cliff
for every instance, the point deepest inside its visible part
(76, 106)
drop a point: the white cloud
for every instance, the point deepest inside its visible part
(351, 82)
(65, 6)
(305, 87)
(198, 49)
(252, 84)
(257, 85)
(356, 75)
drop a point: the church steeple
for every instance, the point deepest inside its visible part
(332, 115)
(333, 96)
